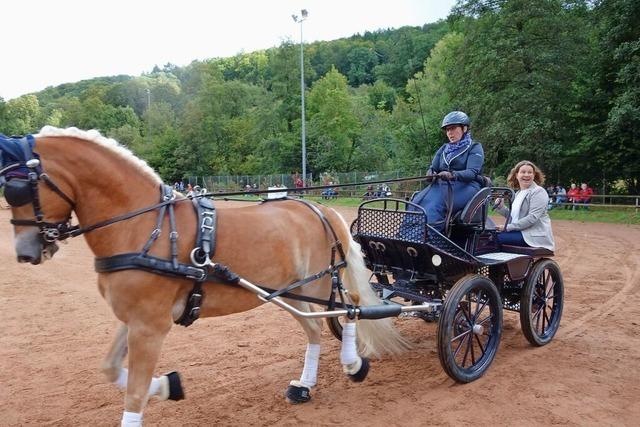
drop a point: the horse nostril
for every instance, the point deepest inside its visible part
(27, 258)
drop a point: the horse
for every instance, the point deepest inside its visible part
(275, 243)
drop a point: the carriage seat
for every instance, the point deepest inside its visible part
(525, 250)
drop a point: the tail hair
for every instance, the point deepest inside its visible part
(375, 337)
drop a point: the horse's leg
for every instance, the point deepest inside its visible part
(165, 387)
(145, 341)
(352, 364)
(299, 391)
(112, 363)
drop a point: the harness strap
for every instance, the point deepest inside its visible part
(152, 264)
(207, 216)
(218, 273)
(306, 280)
(156, 232)
(337, 245)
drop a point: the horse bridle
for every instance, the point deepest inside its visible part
(22, 191)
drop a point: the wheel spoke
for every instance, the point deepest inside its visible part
(537, 319)
(548, 319)
(480, 345)
(480, 308)
(489, 317)
(549, 285)
(467, 312)
(460, 336)
(466, 353)
(473, 355)
(536, 314)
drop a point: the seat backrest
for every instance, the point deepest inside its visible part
(475, 211)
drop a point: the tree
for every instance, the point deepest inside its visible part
(620, 43)
(514, 77)
(333, 125)
(23, 115)
(431, 96)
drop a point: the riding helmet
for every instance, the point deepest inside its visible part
(455, 118)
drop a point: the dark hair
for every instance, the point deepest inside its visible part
(512, 179)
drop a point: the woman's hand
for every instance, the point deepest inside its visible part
(499, 227)
(446, 175)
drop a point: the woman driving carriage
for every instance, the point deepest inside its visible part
(528, 223)
(457, 172)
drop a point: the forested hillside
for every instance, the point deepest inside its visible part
(553, 81)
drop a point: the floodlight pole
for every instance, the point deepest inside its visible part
(300, 20)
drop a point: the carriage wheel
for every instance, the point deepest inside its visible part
(469, 328)
(541, 303)
(335, 327)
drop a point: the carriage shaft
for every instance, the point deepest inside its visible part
(366, 312)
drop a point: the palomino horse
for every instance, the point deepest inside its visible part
(273, 244)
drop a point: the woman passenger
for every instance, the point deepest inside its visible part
(528, 223)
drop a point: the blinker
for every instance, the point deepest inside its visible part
(17, 192)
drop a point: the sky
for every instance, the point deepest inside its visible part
(49, 42)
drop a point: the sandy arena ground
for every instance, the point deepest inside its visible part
(56, 328)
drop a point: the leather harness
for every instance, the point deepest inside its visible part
(202, 271)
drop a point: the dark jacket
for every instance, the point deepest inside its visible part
(466, 165)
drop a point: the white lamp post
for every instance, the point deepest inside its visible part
(300, 20)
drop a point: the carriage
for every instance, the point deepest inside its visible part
(200, 269)
(463, 279)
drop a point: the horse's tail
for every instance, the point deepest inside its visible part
(375, 337)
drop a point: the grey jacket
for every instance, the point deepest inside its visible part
(534, 222)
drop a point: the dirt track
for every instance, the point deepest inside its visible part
(56, 328)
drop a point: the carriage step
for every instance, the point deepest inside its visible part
(380, 311)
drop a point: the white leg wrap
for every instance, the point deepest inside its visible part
(310, 371)
(159, 386)
(349, 352)
(131, 419)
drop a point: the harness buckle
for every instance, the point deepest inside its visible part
(207, 221)
(173, 236)
(197, 252)
(50, 234)
(200, 278)
(155, 233)
(194, 313)
(195, 299)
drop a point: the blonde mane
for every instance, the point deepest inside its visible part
(109, 143)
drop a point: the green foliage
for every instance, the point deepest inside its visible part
(333, 125)
(22, 115)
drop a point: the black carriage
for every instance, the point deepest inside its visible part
(462, 278)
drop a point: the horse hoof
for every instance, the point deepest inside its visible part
(175, 386)
(297, 393)
(359, 376)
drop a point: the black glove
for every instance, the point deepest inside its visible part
(446, 175)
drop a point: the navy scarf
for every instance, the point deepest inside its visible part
(453, 148)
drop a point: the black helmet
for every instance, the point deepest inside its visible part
(455, 118)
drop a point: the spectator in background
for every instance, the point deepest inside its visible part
(561, 195)
(551, 192)
(585, 194)
(298, 183)
(572, 196)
